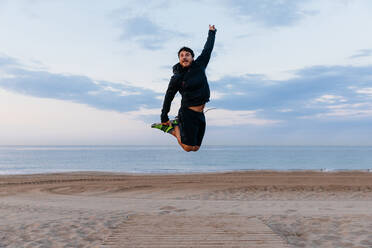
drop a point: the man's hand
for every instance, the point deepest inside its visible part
(166, 123)
(211, 27)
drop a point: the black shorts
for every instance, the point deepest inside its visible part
(192, 126)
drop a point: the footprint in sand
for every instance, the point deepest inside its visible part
(326, 209)
(170, 209)
(290, 211)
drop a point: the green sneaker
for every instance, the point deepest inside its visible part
(174, 122)
(162, 127)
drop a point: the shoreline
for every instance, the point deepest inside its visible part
(238, 172)
(323, 170)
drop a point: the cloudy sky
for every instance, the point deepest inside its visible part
(282, 72)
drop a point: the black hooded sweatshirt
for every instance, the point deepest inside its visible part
(191, 81)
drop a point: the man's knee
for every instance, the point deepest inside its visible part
(188, 148)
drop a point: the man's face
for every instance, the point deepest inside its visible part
(185, 58)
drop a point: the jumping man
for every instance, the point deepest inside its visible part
(190, 80)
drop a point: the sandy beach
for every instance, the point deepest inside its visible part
(240, 209)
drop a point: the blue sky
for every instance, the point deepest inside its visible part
(282, 72)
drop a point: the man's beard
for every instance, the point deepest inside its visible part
(186, 61)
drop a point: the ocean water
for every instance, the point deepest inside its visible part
(170, 159)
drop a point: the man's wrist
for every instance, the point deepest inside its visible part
(212, 31)
(164, 119)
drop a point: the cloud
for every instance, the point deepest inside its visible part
(330, 99)
(362, 53)
(359, 110)
(7, 61)
(309, 93)
(366, 91)
(315, 92)
(285, 110)
(270, 13)
(139, 23)
(146, 33)
(80, 89)
(216, 95)
(225, 117)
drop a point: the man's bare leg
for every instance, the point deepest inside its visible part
(176, 133)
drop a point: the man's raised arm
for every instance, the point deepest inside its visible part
(208, 47)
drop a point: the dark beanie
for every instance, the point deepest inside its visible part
(187, 50)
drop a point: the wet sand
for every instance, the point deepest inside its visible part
(240, 209)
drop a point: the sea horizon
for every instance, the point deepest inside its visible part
(20, 159)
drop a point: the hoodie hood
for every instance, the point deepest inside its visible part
(176, 68)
